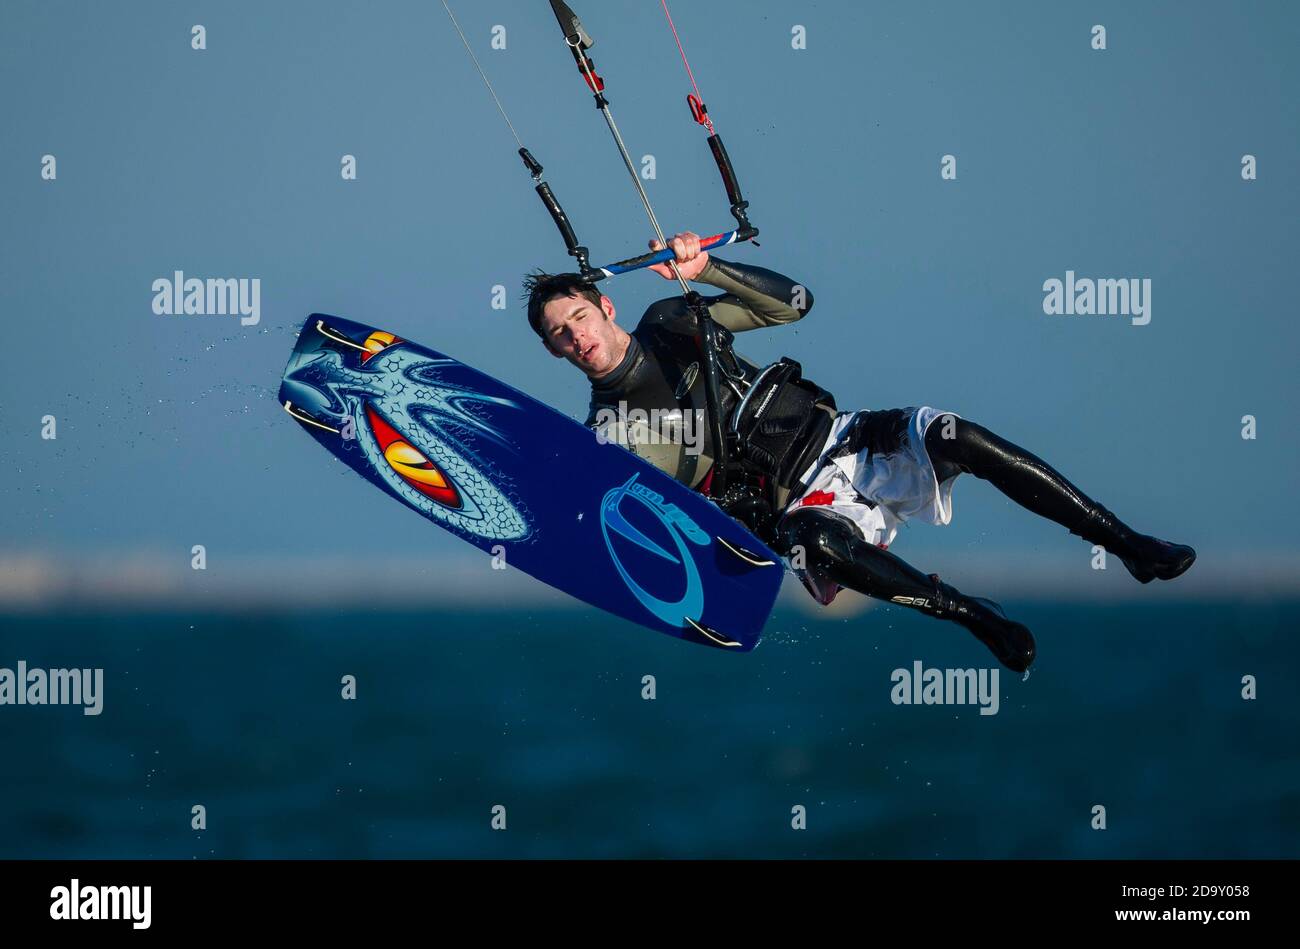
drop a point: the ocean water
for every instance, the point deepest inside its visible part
(1137, 709)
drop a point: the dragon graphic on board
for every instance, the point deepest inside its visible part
(415, 429)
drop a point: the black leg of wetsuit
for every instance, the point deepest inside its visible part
(957, 445)
(835, 548)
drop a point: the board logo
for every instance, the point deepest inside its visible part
(619, 532)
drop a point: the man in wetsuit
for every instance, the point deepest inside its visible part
(827, 489)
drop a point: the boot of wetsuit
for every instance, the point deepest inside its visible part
(1038, 487)
(836, 550)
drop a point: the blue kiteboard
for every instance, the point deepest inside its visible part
(510, 475)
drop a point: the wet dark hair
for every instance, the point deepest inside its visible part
(542, 288)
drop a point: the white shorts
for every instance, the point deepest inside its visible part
(874, 469)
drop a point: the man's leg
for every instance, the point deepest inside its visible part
(835, 548)
(956, 445)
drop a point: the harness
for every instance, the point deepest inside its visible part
(775, 433)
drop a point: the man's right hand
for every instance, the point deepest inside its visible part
(691, 261)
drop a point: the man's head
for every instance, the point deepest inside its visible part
(575, 322)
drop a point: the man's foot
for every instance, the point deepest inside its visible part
(1147, 558)
(1150, 558)
(1011, 642)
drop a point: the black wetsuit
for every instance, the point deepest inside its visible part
(660, 372)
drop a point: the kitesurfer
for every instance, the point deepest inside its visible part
(826, 488)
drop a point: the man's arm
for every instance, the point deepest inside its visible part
(753, 297)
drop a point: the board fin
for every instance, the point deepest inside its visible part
(306, 419)
(749, 557)
(712, 635)
(335, 336)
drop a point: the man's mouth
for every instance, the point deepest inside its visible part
(586, 354)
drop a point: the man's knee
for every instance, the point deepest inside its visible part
(823, 535)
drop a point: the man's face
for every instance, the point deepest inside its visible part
(583, 333)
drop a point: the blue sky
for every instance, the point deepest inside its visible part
(225, 162)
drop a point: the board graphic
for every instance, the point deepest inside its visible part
(501, 470)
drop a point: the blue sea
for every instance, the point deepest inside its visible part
(1137, 709)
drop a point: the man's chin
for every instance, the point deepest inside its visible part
(595, 370)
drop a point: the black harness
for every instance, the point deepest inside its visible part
(772, 423)
(777, 430)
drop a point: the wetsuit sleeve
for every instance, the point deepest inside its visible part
(753, 297)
